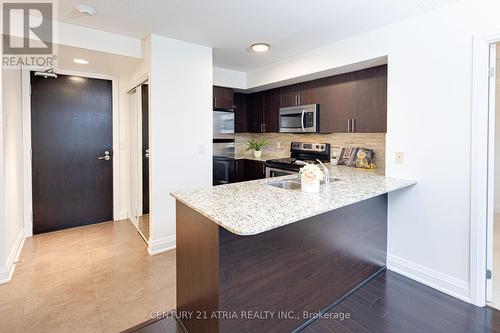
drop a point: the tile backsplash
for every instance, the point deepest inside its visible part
(374, 141)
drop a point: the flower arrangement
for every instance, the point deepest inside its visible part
(310, 176)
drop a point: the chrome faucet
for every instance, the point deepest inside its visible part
(326, 173)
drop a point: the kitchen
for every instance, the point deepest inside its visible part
(260, 241)
(343, 110)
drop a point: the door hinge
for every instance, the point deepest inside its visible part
(492, 71)
(488, 274)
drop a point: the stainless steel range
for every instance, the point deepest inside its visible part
(301, 153)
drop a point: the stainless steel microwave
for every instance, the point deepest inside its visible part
(299, 119)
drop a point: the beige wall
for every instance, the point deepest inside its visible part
(374, 141)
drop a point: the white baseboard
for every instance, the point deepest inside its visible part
(7, 270)
(434, 279)
(161, 245)
(122, 215)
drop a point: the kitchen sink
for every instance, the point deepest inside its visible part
(286, 184)
(292, 184)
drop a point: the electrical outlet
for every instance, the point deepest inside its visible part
(278, 145)
(202, 149)
(399, 157)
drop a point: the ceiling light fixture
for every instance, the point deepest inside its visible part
(259, 47)
(86, 10)
(80, 61)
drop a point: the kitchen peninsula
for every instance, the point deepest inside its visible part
(253, 247)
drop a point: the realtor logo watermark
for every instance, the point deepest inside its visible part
(28, 32)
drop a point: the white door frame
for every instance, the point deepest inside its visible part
(27, 172)
(482, 163)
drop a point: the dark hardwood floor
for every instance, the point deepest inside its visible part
(391, 303)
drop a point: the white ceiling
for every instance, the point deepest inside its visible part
(230, 26)
(99, 62)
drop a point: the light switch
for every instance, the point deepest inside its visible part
(202, 149)
(399, 157)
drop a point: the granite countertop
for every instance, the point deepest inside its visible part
(253, 207)
(263, 158)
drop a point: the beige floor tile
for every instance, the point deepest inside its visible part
(115, 249)
(61, 282)
(60, 261)
(77, 312)
(131, 313)
(90, 279)
(11, 314)
(112, 292)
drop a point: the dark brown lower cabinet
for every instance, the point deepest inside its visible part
(239, 171)
(254, 170)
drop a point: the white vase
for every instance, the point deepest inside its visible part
(257, 153)
(334, 161)
(310, 186)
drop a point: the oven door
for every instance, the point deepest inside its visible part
(299, 119)
(275, 172)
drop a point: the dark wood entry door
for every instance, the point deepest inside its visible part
(145, 148)
(71, 124)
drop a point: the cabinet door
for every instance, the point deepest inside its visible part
(239, 171)
(370, 100)
(290, 95)
(255, 110)
(240, 113)
(223, 97)
(272, 104)
(336, 103)
(308, 93)
(254, 170)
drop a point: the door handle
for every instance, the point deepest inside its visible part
(106, 156)
(302, 120)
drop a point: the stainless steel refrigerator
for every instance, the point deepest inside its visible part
(223, 146)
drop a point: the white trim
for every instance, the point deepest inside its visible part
(490, 214)
(7, 271)
(27, 172)
(161, 245)
(434, 279)
(479, 196)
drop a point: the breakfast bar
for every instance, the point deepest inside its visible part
(260, 256)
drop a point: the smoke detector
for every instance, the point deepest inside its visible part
(85, 10)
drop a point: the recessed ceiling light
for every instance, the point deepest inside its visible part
(80, 61)
(85, 9)
(259, 47)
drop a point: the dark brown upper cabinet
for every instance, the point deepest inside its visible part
(240, 113)
(289, 95)
(223, 97)
(308, 92)
(354, 102)
(272, 104)
(370, 100)
(255, 112)
(300, 94)
(336, 103)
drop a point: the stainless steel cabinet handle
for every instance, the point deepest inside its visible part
(106, 156)
(147, 153)
(300, 97)
(348, 125)
(353, 125)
